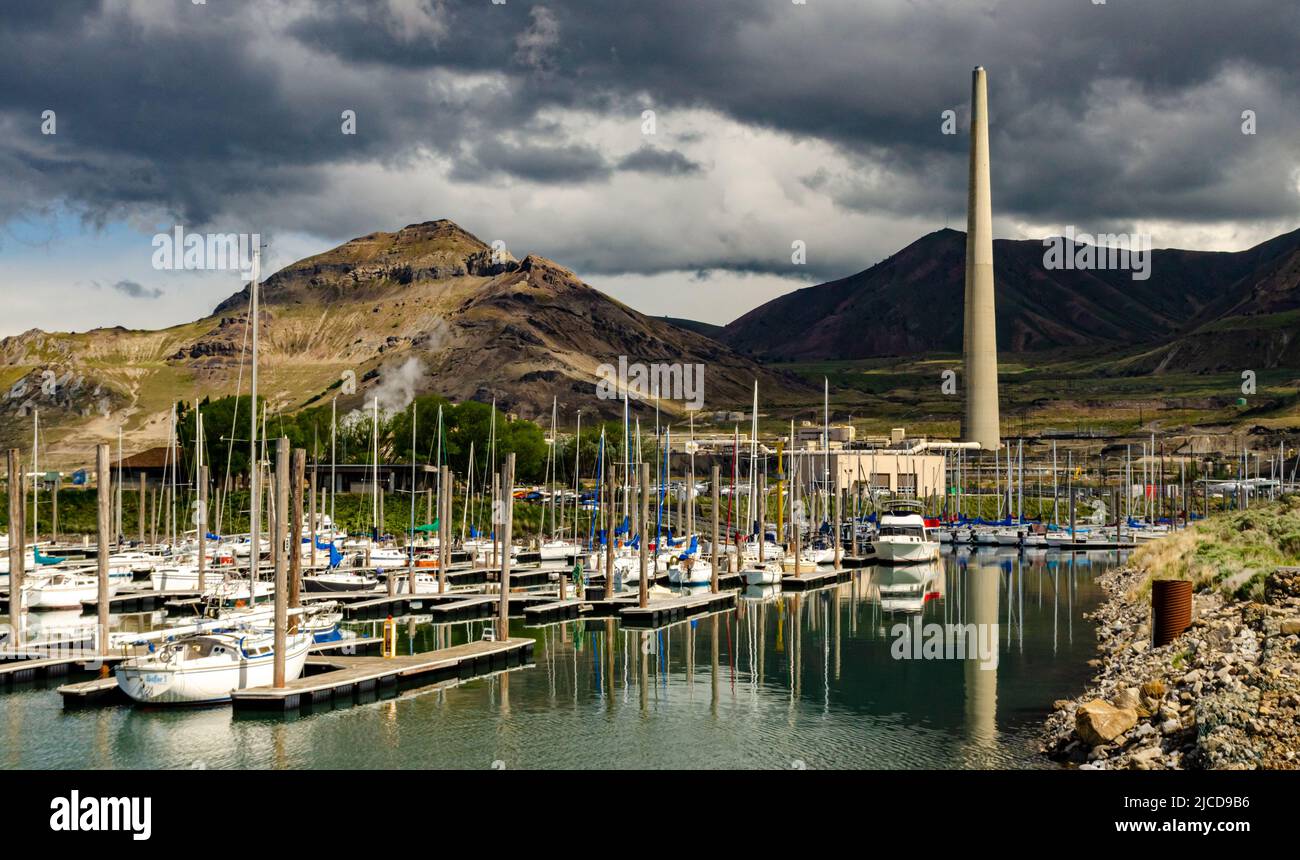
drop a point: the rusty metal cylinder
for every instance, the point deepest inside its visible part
(1171, 609)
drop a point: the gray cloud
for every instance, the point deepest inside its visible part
(136, 291)
(1102, 115)
(667, 162)
(544, 164)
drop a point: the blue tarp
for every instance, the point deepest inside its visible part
(692, 549)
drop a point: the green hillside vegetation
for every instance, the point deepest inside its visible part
(1232, 552)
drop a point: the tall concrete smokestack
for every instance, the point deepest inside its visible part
(979, 323)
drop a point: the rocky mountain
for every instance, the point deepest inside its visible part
(911, 303)
(429, 308)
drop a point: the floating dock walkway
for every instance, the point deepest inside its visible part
(815, 578)
(351, 677)
(105, 691)
(19, 671)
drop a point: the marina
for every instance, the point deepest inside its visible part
(604, 690)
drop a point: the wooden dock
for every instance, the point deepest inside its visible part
(351, 677)
(555, 610)
(467, 609)
(669, 610)
(100, 691)
(815, 579)
(139, 601)
(105, 691)
(382, 606)
(524, 578)
(19, 671)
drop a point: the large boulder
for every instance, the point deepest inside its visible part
(1099, 722)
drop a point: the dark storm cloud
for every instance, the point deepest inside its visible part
(1100, 113)
(668, 162)
(543, 164)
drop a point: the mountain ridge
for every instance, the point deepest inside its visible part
(428, 308)
(910, 303)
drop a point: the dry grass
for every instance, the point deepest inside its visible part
(1230, 552)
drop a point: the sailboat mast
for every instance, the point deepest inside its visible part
(334, 423)
(826, 448)
(410, 541)
(254, 462)
(577, 478)
(753, 462)
(36, 474)
(374, 440)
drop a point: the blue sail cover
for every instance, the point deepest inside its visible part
(624, 528)
(45, 559)
(211, 536)
(691, 550)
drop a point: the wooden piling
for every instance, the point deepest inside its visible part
(141, 513)
(54, 510)
(297, 475)
(838, 513)
(202, 526)
(103, 522)
(311, 513)
(609, 532)
(278, 555)
(717, 558)
(444, 526)
(17, 534)
(794, 524)
(507, 516)
(853, 518)
(643, 547)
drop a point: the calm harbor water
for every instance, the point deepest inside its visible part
(809, 680)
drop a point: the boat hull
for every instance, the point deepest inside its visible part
(761, 577)
(905, 552)
(164, 686)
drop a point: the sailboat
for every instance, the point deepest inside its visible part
(62, 590)
(203, 668)
(206, 667)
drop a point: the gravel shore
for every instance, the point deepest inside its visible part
(1224, 695)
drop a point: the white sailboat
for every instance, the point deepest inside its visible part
(207, 667)
(769, 573)
(62, 590)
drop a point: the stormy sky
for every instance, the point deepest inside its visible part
(773, 122)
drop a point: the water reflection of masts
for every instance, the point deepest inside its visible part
(713, 670)
(826, 651)
(645, 672)
(609, 661)
(838, 611)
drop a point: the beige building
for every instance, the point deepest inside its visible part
(897, 473)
